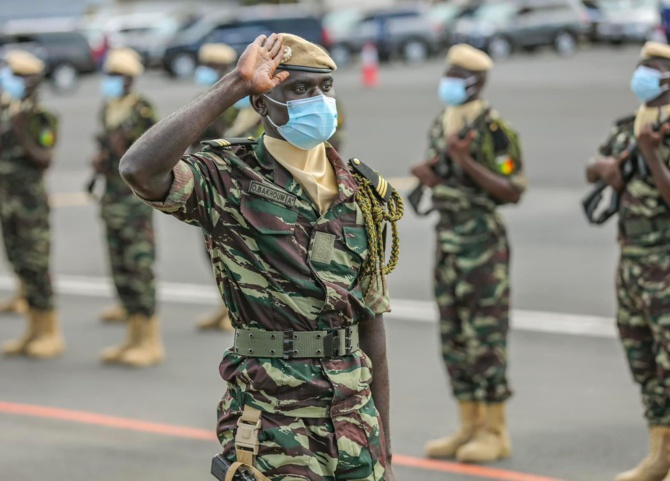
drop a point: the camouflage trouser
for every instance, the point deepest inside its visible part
(24, 217)
(132, 252)
(643, 319)
(347, 447)
(472, 291)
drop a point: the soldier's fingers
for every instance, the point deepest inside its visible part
(275, 45)
(260, 40)
(270, 42)
(280, 77)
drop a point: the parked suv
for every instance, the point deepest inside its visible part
(66, 55)
(503, 26)
(411, 32)
(238, 29)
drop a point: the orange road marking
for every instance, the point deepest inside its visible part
(127, 424)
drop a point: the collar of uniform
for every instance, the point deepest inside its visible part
(346, 183)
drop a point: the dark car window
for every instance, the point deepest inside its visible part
(236, 34)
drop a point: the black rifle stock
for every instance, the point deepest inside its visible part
(220, 467)
(104, 148)
(634, 163)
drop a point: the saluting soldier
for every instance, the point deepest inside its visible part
(473, 166)
(643, 276)
(295, 236)
(125, 116)
(28, 133)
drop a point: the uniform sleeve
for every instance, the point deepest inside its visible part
(509, 160)
(45, 129)
(198, 192)
(436, 138)
(376, 294)
(145, 118)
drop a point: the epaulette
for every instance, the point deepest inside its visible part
(625, 120)
(381, 186)
(216, 144)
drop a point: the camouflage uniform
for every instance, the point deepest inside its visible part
(643, 281)
(128, 221)
(24, 206)
(282, 266)
(471, 278)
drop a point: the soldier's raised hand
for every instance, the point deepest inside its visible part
(649, 139)
(257, 66)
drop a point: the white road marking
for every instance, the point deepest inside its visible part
(403, 309)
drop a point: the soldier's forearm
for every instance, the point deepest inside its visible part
(660, 174)
(147, 166)
(373, 343)
(496, 185)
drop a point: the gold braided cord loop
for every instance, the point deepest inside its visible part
(376, 217)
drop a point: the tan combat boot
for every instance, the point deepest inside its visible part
(18, 346)
(471, 415)
(49, 340)
(16, 304)
(656, 465)
(491, 441)
(149, 348)
(219, 320)
(114, 314)
(113, 354)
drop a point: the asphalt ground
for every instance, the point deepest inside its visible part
(576, 414)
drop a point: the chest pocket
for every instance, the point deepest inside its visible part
(268, 217)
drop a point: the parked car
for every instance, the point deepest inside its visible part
(67, 55)
(408, 31)
(622, 21)
(504, 26)
(238, 28)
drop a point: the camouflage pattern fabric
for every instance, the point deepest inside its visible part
(643, 284)
(643, 320)
(24, 206)
(350, 446)
(640, 200)
(280, 265)
(128, 221)
(471, 276)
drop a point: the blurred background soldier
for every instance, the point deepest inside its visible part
(129, 227)
(27, 139)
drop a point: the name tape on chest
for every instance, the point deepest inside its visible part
(272, 193)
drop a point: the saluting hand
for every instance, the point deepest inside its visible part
(258, 64)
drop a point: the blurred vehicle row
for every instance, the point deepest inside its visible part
(170, 36)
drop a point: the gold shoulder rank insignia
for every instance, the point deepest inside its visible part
(379, 183)
(216, 144)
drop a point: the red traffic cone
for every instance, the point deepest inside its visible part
(370, 65)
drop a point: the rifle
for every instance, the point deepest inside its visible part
(634, 164)
(103, 147)
(444, 167)
(220, 467)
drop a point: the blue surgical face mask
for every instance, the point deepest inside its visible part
(206, 76)
(242, 104)
(112, 86)
(14, 85)
(646, 83)
(454, 91)
(311, 121)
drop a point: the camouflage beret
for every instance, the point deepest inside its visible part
(299, 54)
(469, 58)
(217, 53)
(24, 63)
(655, 49)
(124, 61)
